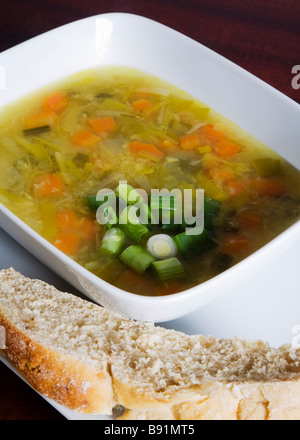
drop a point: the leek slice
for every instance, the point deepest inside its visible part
(168, 269)
(137, 258)
(191, 245)
(130, 225)
(113, 241)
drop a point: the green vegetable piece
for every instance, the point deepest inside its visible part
(168, 269)
(37, 130)
(266, 166)
(137, 258)
(113, 241)
(110, 217)
(130, 225)
(94, 204)
(192, 245)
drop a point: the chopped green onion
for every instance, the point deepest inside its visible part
(194, 244)
(95, 202)
(129, 196)
(163, 207)
(137, 258)
(113, 241)
(159, 202)
(130, 224)
(161, 246)
(124, 190)
(168, 269)
(37, 130)
(108, 217)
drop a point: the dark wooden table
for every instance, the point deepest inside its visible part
(261, 36)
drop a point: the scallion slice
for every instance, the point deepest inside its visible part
(137, 258)
(130, 224)
(95, 202)
(168, 269)
(109, 217)
(113, 241)
(190, 245)
(161, 246)
(130, 196)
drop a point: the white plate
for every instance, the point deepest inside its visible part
(257, 299)
(110, 39)
(268, 317)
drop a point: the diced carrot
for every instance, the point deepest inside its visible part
(226, 148)
(249, 220)
(269, 187)
(148, 151)
(141, 104)
(237, 187)
(190, 141)
(47, 117)
(222, 174)
(66, 221)
(68, 242)
(88, 229)
(56, 102)
(48, 185)
(105, 124)
(85, 138)
(235, 244)
(208, 134)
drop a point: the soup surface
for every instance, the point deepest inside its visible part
(122, 131)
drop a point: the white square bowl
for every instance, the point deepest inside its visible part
(132, 41)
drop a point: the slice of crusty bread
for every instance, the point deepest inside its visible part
(90, 359)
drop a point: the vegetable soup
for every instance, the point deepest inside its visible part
(125, 133)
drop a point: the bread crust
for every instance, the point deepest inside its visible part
(244, 401)
(62, 378)
(109, 377)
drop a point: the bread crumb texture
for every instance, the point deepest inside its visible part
(91, 360)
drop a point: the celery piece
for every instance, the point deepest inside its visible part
(137, 258)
